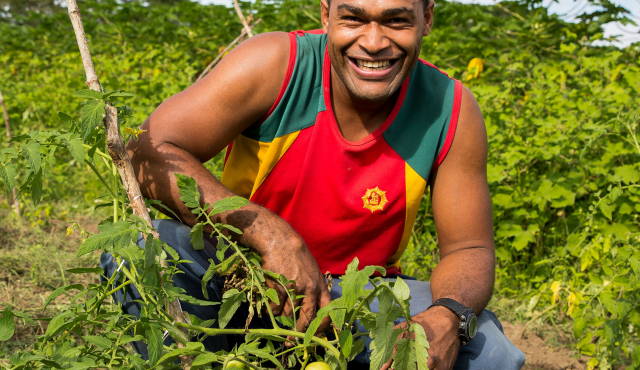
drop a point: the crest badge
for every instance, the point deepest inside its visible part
(375, 199)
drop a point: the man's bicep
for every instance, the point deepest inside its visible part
(460, 192)
(239, 91)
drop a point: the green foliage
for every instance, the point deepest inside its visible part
(561, 118)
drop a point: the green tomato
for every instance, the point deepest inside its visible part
(318, 366)
(236, 365)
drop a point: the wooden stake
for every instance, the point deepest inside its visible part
(242, 19)
(120, 157)
(14, 201)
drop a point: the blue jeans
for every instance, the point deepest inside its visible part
(490, 349)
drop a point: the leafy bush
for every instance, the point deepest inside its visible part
(561, 114)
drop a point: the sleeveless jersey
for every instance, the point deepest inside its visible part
(346, 199)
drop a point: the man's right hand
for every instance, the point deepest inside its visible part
(296, 263)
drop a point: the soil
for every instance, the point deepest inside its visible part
(540, 355)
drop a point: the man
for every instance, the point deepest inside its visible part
(334, 136)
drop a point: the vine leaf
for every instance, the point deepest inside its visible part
(273, 295)
(227, 204)
(154, 343)
(346, 342)
(420, 346)
(57, 323)
(354, 281)
(91, 116)
(356, 348)
(401, 289)
(383, 334)
(188, 190)
(36, 188)
(205, 359)
(111, 235)
(32, 153)
(190, 350)
(88, 94)
(100, 342)
(405, 357)
(152, 249)
(76, 148)
(197, 236)
(208, 275)
(231, 301)
(7, 326)
(263, 354)
(8, 173)
(61, 290)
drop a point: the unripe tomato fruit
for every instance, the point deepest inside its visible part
(318, 366)
(236, 365)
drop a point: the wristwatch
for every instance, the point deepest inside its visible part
(468, 326)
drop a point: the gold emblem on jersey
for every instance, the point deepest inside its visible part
(375, 199)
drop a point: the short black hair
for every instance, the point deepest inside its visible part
(424, 2)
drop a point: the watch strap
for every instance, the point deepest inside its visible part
(451, 304)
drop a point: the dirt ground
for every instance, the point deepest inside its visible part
(540, 355)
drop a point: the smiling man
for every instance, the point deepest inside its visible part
(334, 136)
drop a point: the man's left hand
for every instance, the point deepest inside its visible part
(441, 327)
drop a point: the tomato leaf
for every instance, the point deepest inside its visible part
(154, 343)
(61, 290)
(7, 325)
(100, 342)
(231, 301)
(197, 236)
(91, 116)
(116, 235)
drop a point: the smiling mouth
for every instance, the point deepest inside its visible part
(367, 65)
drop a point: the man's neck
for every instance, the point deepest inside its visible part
(357, 118)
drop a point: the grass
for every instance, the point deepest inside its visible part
(35, 251)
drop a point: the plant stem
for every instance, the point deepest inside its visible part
(104, 182)
(280, 332)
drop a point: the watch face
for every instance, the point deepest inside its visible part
(473, 326)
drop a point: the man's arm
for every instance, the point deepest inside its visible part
(193, 126)
(464, 224)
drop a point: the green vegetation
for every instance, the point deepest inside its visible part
(562, 118)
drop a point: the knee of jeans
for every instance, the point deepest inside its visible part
(490, 349)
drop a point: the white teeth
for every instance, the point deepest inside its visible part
(373, 66)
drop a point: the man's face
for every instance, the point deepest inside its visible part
(374, 44)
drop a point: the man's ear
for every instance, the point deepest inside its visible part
(324, 15)
(428, 18)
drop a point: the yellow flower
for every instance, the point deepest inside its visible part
(69, 231)
(133, 131)
(476, 65)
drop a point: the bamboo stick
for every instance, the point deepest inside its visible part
(120, 157)
(242, 18)
(14, 201)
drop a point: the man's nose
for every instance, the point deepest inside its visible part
(373, 39)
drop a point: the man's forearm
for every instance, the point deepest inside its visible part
(262, 230)
(466, 275)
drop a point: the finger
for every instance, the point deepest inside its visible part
(325, 299)
(308, 310)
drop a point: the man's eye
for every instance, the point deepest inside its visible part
(352, 19)
(397, 20)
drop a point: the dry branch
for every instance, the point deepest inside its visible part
(14, 202)
(120, 157)
(247, 29)
(243, 33)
